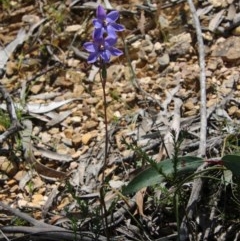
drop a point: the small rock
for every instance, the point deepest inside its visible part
(237, 113)
(62, 82)
(90, 125)
(180, 44)
(232, 110)
(218, 3)
(46, 138)
(147, 46)
(229, 49)
(63, 149)
(11, 68)
(158, 47)
(76, 119)
(93, 100)
(77, 139)
(212, 64)
(36, 88)
(73, 62)
(86, 138)
(73, 28)
(190, 105)
(8, 166)
(68, 133)
(236, 31)
(164, 60)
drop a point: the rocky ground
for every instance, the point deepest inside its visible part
(52, 154)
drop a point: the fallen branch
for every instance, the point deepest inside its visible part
(203, 113)
(198, 183)
(42, 229)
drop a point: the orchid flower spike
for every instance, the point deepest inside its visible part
(106, 23)
(101, 47)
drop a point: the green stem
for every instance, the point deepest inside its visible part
(104, 79)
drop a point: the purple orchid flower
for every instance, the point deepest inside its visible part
(102, 48)
(106, 23)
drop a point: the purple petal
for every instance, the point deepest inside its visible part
(98, 34)
(112, 16)
(111, 32)
(97, 23)
(105, 55)
(117, 27)
(109, 41)
(92, 58)
(90, 47)
(115, 51)
(101, 13)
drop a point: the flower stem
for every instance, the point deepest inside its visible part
(102, 191)
(104, 79)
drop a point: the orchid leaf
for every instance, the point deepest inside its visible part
(152, 176)
(232, 162)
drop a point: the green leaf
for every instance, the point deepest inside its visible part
(152, 176)
(232, 162)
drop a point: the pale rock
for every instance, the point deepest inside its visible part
(77, 91)
(212, 102)
(11, 68)
(117, 114)
(68, 133)
(86, 138)
(136, 45)
(46, 138)
(93, 100)
(54, 131)
(77, 139)
(19, 175)
(191, 112)
(90, 124)
(189, 105)
(62, 149)
(158, 46)
(236, 31)
(73, 165)
(232, 110)
(180, 44)
(237, 113)
(229, 49)
(8, 166)
(219, 3)
(73, 62)
(73, 28)
(38, 199)
(147, 46)
(76, 119)
(164, 60)
(36, 88)
(212, 64)
(76, 155)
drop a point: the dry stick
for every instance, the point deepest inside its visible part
(44, 228)
(203, 114)
(4, 235)
(198, 183)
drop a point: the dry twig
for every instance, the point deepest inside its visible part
(198, 183)
(41, 228)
